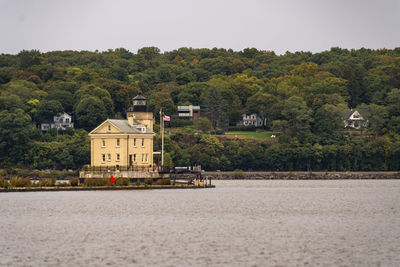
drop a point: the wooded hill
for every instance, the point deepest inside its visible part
(302, 95)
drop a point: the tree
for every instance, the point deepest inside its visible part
(64, 97)
(24, 89)
(90, 112)
(100, 93)
(161, 100)
(297, 114)
(216, 109)
(16, 131)
(149, 53)
(29, 58)
(328, 120)
(202, 124)
(10, 102)
(393, 101)
(376, 115)
(261, 104)
(47, 109)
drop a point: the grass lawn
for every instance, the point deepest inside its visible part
(264, 135)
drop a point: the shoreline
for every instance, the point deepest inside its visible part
(302, 175)
(100, 188)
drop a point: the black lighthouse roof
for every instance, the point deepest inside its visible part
(139, 97)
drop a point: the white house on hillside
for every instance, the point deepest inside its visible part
(353, 119)
(60, 122)
(250, 120)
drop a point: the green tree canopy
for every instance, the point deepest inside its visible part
(90, 112)
(298, 115)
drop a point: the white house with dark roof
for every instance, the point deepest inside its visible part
(60, 122)
(353, 119)
(250, 120)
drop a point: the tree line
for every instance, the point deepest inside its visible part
(301, 95)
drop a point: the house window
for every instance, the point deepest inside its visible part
(117, 158)
(134, 157)
(142, 142)
(109, 157)
(134, 142)
(142, 157)
(67, 120)
(109, 127)
(146, 159)
(117, 142)
(103, 158)
(103, 142)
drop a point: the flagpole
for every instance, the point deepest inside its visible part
(162, 139)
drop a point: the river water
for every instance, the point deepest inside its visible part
(239, 223)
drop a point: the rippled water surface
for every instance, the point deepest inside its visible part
(239, 223)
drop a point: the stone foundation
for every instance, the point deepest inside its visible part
(124, 174)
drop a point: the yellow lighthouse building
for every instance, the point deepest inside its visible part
(124, 146)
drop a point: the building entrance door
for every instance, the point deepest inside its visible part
(130, 160)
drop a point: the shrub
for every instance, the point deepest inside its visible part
(122, 181)
(163, 181)
(74, 182)
(238, 174)
(20, 182)
(148, 181)
(176, 122)
(22, 172)
(47, 182)
(3, 182)
(96, 182)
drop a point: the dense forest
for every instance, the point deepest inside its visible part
(301, 95)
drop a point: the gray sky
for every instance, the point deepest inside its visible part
(279, 25)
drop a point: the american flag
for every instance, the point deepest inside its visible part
(166, 118)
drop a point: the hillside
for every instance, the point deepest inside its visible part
(301, 95)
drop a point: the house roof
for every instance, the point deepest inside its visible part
(348, 113)
(63, 114)
(186, 108)
(125, 127)
(183, 108)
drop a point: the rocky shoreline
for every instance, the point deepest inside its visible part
(299, 175)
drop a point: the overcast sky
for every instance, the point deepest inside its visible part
(279, 25)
